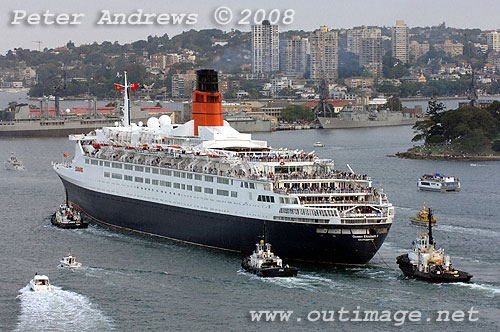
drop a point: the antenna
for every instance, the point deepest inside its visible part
(39, 42)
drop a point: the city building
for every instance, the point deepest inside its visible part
(418, 50)
(265, 48)
(163, 60)
(359, 82)
(294, 54)
(450, 49)
(357, 34)
(400, 42)
(493, 40)
(182, 84)
(324, 60)
(494, 59)
(370, 53)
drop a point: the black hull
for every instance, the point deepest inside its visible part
(411, 272)
(68, 225)
(274, 272)
(297, 241)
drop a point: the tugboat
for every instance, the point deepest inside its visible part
(265, 264)
(68, 217)
(422, 218)
(13, 164)
(70, 262)
(438, 182)
(40, 283)
(428, 263)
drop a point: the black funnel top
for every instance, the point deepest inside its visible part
(207, 80)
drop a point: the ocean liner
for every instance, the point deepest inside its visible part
(205, 183)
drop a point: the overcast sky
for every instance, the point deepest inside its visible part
(309, 15)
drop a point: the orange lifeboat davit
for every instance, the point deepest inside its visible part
(207, 107)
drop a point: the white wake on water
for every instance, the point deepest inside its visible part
(489, 289)
(469, 230)
(59, 310)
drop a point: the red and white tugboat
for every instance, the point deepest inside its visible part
(427, 262)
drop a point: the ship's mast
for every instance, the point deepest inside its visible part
(126, 107)
(431, 240)
(126, 101)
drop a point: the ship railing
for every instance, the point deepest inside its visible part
(364, 215)
(319, 175)
(307, 158)
(365, 191)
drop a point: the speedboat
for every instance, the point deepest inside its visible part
(438, 182)
(40, 283)
(264, 263)
(13, 163)
(68, 216)
(70, 262)
(428, 263)
(422, 218)
(318, 144)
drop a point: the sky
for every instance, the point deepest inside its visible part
(308, 15)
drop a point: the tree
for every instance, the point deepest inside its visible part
(430, 129)
(297, 113)
(394, 104)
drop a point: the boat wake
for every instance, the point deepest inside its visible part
(490, 290)
(59, 310)
(310, 282)
(469, 231)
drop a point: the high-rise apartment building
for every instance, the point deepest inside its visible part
(493, 39)
(400, 41)
(265, 48)
(324, 60)
(356, 35)
(294, 55)
(370, 53)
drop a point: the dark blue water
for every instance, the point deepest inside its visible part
(137, 283)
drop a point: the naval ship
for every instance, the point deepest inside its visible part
(51, 122)
(204, 183)
(351, 117)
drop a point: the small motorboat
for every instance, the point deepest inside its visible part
(13, 164)
(318, 144)
(69, 261)
(264, 263)
(40, 283)
(427, 262)
(438, 182)
(67, 216)
(422, 218)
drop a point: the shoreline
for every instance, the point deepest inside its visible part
(447, 98)
(425, 156)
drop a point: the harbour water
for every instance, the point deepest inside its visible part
(137, 283)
